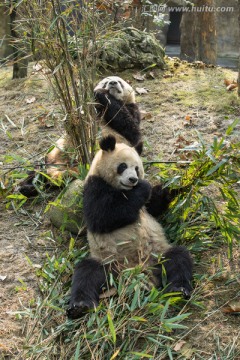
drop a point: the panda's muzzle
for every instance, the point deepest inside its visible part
(132, 181)
(114, 85)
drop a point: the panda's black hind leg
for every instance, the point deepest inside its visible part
(178, 265)
(26, 186)
(88, 279)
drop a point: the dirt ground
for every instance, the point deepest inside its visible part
(181, 101)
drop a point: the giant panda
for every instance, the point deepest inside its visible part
(118, 111)
(121, 230)
(119, 115)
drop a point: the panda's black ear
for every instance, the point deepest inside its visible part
(108, 143)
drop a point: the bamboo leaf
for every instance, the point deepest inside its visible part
(71, 244)
(216, 167)
(77, 352)
(165, 309)
(135, 299)
(232, 127)
(141, 355)
(111, 327)
(115, 354)
(138, 318)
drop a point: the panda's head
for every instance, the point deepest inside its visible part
(118, 88)
(118, 164)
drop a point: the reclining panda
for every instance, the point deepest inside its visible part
(122, 233)
(119, 115)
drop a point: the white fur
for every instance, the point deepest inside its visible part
(59, 154)
(105, 165)
(138, 243)
(133, 244)
(118, 88)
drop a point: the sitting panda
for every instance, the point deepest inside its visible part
(119, 115)
(122, 233)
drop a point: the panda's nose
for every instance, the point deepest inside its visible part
(133, 180)
(112, 82)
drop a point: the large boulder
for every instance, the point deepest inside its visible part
(66, 211)
(131, 48)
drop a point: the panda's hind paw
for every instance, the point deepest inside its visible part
(186, 293)
(78, 309)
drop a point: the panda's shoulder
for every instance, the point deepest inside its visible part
(95, 182)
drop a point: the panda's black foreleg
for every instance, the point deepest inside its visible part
(88, 279)
(161, 198)
(176, 270)
(122, 118)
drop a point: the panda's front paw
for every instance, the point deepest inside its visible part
(79, 308)
(102, 97)
(144, 188)
(101, 91)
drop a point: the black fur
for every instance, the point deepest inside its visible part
(88, 279)
(108, 143)
(123, 118)
(90, 276)
(178, 266)
(161, 198)
(107, 209)
(26, 186)
(139, 147)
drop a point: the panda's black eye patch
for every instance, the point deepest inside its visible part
(121, 168)
(137, 170)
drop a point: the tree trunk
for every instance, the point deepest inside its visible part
(198, 34)
(239, 49)
(188, 41)
(5, 48)
(19, 54)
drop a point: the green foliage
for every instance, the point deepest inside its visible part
(139, 320)
(45, 29)
(136, 322)
(15, 165)
(207, 208)
(16, 200)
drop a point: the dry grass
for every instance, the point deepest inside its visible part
(211, 333)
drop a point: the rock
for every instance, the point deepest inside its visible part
(131, 48)
(66, 212)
